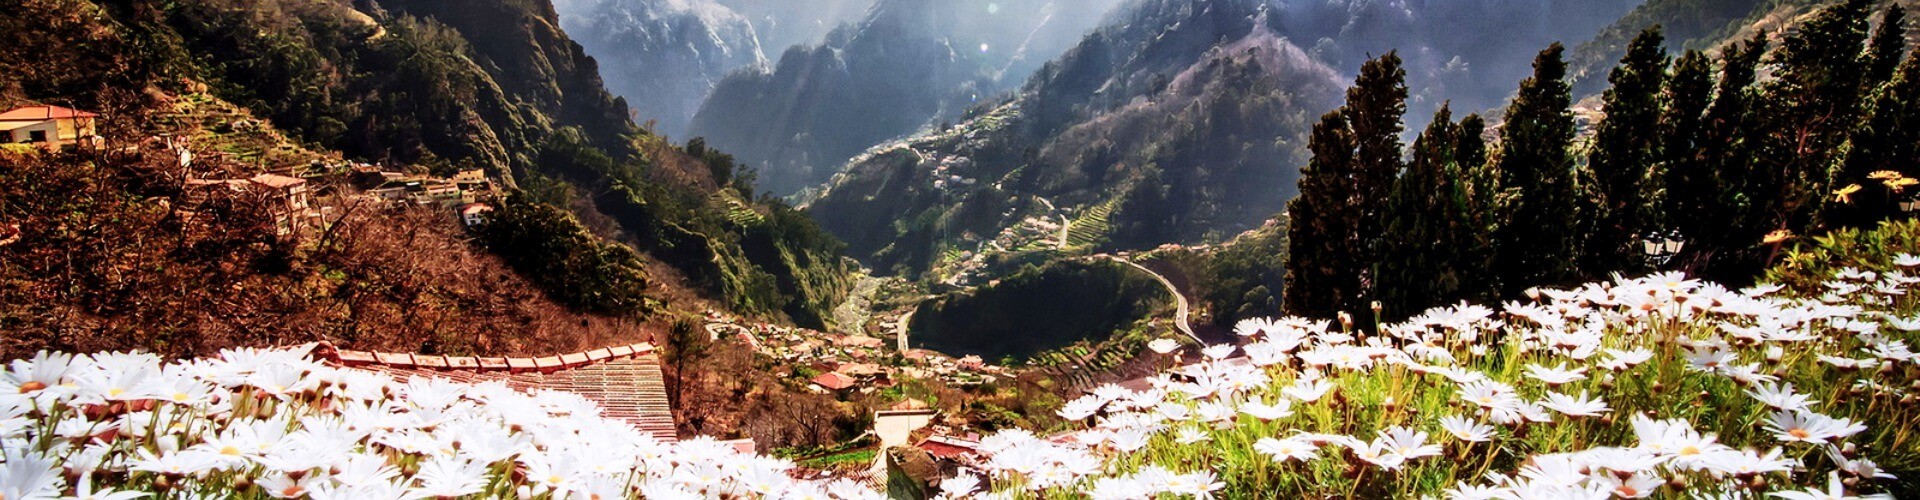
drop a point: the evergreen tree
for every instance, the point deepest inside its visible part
(1481, 186)
(1888, 140)
(1889, 45)
(1320, 272)
(1536, 244)
(1690, 190)
(1731, 138)
(1626, 146)
(1338, 217)
(1812, 104)
(1424, 257)
(1377, 106)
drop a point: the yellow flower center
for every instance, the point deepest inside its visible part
(230, 451)
(1799, 433)
(116, 392)
(1626, 491)
(1690, 450)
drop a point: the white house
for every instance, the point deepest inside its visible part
(50, 126)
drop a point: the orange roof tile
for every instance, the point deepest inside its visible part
(833, 381)
(26, 113)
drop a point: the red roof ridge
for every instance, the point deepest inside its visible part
(43, 112)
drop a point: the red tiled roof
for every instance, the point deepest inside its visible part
(834, 381)
(945, 447)
(25, 113)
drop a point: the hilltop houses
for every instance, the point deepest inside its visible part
(48, 126)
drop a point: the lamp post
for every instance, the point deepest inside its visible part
(1660, 247)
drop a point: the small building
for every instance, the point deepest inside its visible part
(287, 198)
(470, 176)
(50, 126)
(474, 214)
(950, 448)
(834, 381)
(290, 193)
(859, 341)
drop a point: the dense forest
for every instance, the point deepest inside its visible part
(1038, 309)
(1693, 149)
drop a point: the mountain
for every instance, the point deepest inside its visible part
(786, 23)
(437, 86)
(907, 64)
(1178, 121)
(662, 56)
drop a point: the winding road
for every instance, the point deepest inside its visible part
(1182, 310)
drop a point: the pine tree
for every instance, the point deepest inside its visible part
(1626, 146)
(1356, 153)
(1320, 272)
(1536, 244)
(1424, 258)
(1690, 190)
(1812, 104)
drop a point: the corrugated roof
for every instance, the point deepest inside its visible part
(626, 381)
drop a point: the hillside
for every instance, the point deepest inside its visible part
(403, 84)
(119, 251)
(1178, 122)
(908, 64)
(1688, 24)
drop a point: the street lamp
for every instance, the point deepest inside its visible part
(1661, 246)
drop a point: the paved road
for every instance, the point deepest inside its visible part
(1064, 222)
(1182, 310)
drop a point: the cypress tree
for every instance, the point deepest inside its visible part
(1423, 259)
(1888, 46)
(1377, 105)
(1320, 273)
(1812, 104)
(1481, 187)
(1888, 139)
(1690, 190)
(1536, 244)
(1625, 148)
(1732, 136)
(1356, 153)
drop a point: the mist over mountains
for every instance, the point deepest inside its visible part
(906, 65)
(665, 56)
(1180, 120)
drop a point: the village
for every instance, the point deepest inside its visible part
(291, 186)
(289, 189)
